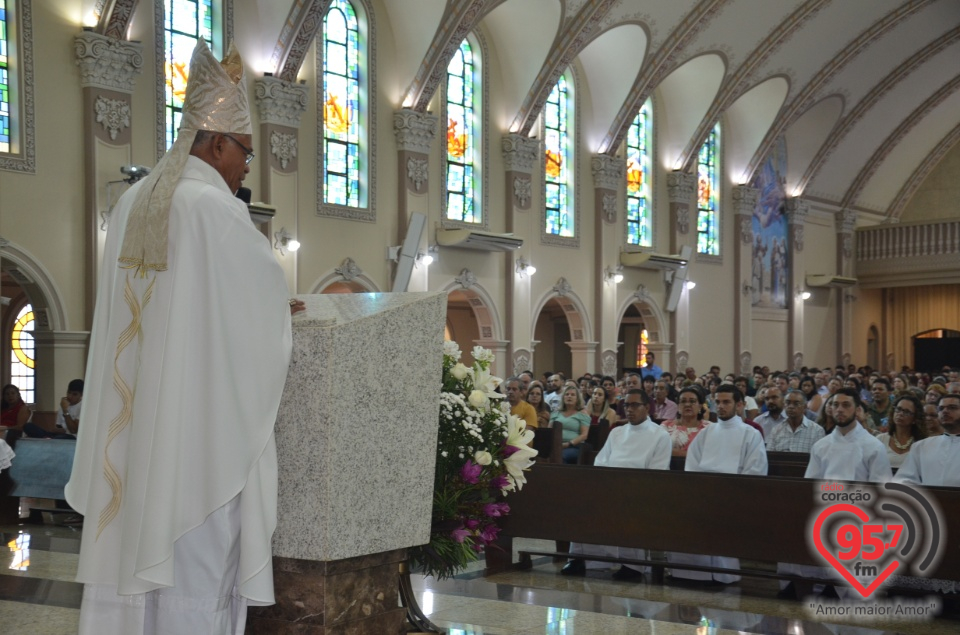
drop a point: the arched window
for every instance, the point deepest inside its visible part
(17, 143)
(184, 23)
(639, 184)
(558, 161)
(708, 193)
(4, 79)
(23, 355)
(342, 108)
(463, 202)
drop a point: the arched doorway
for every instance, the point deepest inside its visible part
(561, 331)
(344, 287)
(473, 320)
(642, 329)
(552, 331)
(347, 278)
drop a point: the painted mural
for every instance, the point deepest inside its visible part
(770, 277)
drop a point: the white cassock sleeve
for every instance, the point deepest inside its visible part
(660, 457)
(878, 467)
(695, 452)
(754, 459)
(603, 457)
(910, 471)
(814, 469)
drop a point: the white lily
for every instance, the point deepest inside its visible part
(484, 381)
(482, 354)
(522, 459)
(451, 349)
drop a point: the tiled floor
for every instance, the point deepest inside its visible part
(38, 597)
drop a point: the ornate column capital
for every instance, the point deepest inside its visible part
(348, 270)
(608, 171)
(744, 199)
(107, 63)
(681, 186)
(280, 102)
(797, 210)
(520, 153)
(414, 130)
(846, 221)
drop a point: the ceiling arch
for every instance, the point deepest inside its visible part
(912, 184)
(805, 136)
(686, 95)
(606, 87)
(745, 122)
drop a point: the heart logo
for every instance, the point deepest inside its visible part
(851, 539)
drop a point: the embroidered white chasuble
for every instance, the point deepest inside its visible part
(184, 380)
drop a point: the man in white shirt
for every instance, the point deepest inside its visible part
(553, 397)
(797, 433)
(641, 445)
(68, 416)
(728, 446)
(774, 415)
(936, 460)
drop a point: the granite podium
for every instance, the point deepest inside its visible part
(356, 437)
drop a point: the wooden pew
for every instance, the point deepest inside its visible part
(760, 518)
(548, 443)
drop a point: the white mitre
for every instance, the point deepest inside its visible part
(216, 101)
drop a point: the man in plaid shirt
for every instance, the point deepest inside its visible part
(797, 433)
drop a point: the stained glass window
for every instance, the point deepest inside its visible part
(4, 80)
(184, 23)
(462, 203)
(557, 160)
(639, 195)
(708, 189)
(341, 106)
(23, 354)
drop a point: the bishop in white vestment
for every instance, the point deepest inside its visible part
(188, 356)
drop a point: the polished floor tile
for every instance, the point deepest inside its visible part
(39, 597)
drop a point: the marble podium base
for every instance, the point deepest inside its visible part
(356, 596)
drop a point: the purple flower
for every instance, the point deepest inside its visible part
(472, 523)
(499, 482)
(509, 450)
(489, 533)
(470, 472)
(495, 510)
(460, 534)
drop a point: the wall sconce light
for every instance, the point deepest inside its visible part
(284, 242)
(805, 295)
(747, 288)
(613, 275)
(429, 257)
(691, 285)
(524, 268)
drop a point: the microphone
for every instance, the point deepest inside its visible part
(244, 194)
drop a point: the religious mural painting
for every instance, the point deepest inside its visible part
(769, 272)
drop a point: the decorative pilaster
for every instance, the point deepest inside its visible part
(108, 69)
(744, 199)
(280, 107)
(106, 63)
(846, 222)
(414, 132)
(609, 178)
(583, 356)
(682, 195)
(521, 158)
(796, 212)
(681, 189)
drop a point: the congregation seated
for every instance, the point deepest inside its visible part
(684, 429)
(536, 399)
(68, 416)
(575, 423)
(599, 408)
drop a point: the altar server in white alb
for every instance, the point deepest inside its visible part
(188, 356)
(728, 446)
(642, 445)
(936, 461)
(850, 452)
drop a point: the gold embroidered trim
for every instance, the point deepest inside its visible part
(127, 394)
